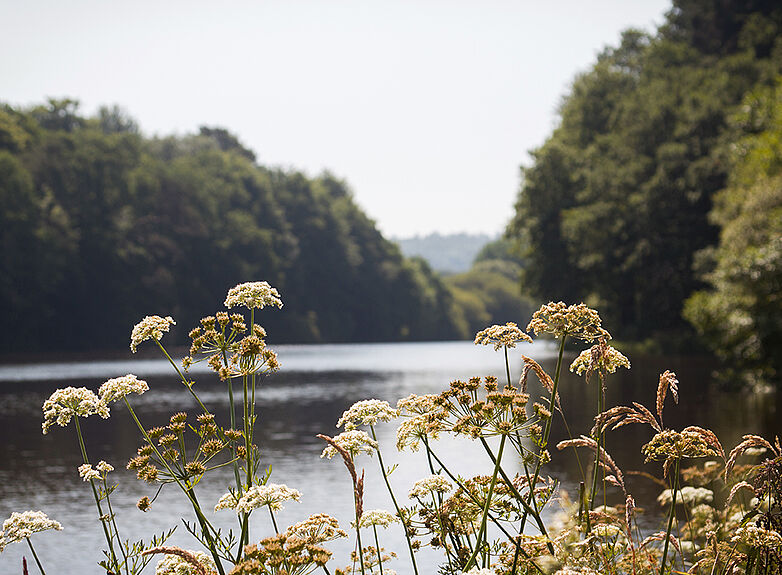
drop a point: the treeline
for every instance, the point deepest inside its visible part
(101, 226)
(660, 191)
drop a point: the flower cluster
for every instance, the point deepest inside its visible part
(87, 472)
(259, 496)
(499, 412)
(757, 537)
(151, 327)
(179, 565)
(376, 517)
(282, 553)
(431, 484)
(367, 412)
(117, 388)
(253, 295)
(688, 495)
(318, 528)
(507, 336)
(560, 319)
(669, 445)
(423, 420)
(65, 404)
(22, 525)
(354, 442)
(600, 358)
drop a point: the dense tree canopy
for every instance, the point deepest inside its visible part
(616, 202)
(101, 226)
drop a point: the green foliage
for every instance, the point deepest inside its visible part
(616, 203)
(98, 220)
(741, 315)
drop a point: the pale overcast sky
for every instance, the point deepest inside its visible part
(426, 108)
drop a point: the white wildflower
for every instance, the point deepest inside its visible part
(433, 483)
(507, 335)
(253, 295)
(176, 565)
(353, 441)
(755, 536)
(22, 525)
(227, 501)
(104, 467)
(367, 412)
(66, 403)
(376, 517)
(270, 494)
(606, 530)
(151, 327)
(86, 472)
(317, 529)
(688, 495)
(117, 388)
(608, 361)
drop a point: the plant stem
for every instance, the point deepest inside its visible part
(377, 544)
(181, 376)
(482, 533)
(670, 516)
(547, 429)
(35, 556)
(597, 451)
(393, 499)
(507, 365)
(109, 538)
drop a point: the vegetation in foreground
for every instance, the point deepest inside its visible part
(723, 512)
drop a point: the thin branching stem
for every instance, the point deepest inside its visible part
(35, 556)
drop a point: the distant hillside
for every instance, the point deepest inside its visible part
(451, 253)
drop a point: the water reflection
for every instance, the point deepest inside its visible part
(306, 398)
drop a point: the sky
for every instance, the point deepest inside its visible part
(426, 108)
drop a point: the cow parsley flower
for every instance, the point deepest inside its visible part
(151, 327)
(433, 483)
(560, 319)
(253, 295)
(227, 501)
(507, 335)
(376, 517)
(754, 536)
(177, 565)
(317, 529)
(270, 494)
(65, 404)
(353, 441)
(367, 412)
(117, 388)
(607, 360)
(87, 473)
(22, 525)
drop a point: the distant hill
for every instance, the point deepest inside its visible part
(450, 253)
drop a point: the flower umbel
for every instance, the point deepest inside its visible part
(21, 525)
(377, 517)
(253, 295)
(431, 484)
(66, 403)
(604, 359)
(367, 412)
(151, 327)
(270, 494)
(354, 442)
(117, 388)
(507, 335)
(559, 320)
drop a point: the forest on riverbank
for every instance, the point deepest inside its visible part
(658, 198)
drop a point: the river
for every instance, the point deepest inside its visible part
(308, 395)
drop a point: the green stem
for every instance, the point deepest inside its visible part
(597, 451)
(670, 516)
(35, 556)
(393, 499)
(482, 533)
(507, 365)
(377, 548)
(358, 533)
(109, 538)
(116, 529)
(274, 521)
(518, 496)
(187, 490)
(547, 429)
